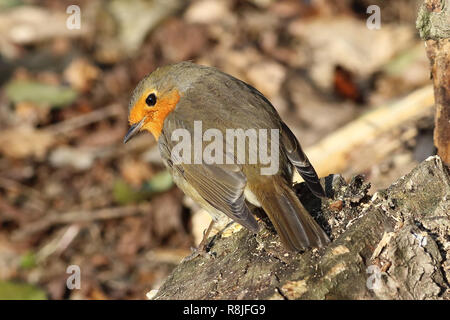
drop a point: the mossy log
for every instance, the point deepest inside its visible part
(393, 245)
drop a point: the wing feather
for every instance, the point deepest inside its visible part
(299, 159)
(222, 186)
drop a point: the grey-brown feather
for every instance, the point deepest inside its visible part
(221, 101)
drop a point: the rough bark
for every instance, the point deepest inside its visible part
(399, 235)
(433, 23)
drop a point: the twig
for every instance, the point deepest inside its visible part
(59, 243)
(85, 119)
(332, 153)
(80, 216)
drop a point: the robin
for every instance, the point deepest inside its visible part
(183, 95)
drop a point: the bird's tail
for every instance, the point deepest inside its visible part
(295, 226)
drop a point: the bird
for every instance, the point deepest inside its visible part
(174, 99)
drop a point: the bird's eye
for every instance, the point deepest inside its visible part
(151, 100)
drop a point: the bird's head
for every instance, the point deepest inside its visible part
(157, 95)
(152, 100)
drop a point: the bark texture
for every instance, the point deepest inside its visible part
(433, 23)
(393, 245)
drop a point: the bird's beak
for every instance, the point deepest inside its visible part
(134, 129)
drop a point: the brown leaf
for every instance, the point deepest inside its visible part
(180, 41)
(23, 142)
(166, 215)
(135, 172)
(81, 74)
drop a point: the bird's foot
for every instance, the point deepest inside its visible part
(203, 247)
(202, 251)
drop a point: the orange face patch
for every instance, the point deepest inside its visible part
(155, 115)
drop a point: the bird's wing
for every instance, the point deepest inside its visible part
(298, 158)
(220, 185)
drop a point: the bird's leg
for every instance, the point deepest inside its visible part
(218, 234)
(203, 246)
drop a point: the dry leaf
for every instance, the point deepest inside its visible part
(80, 74)
(23, 142)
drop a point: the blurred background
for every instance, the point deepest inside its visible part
(71, 193)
